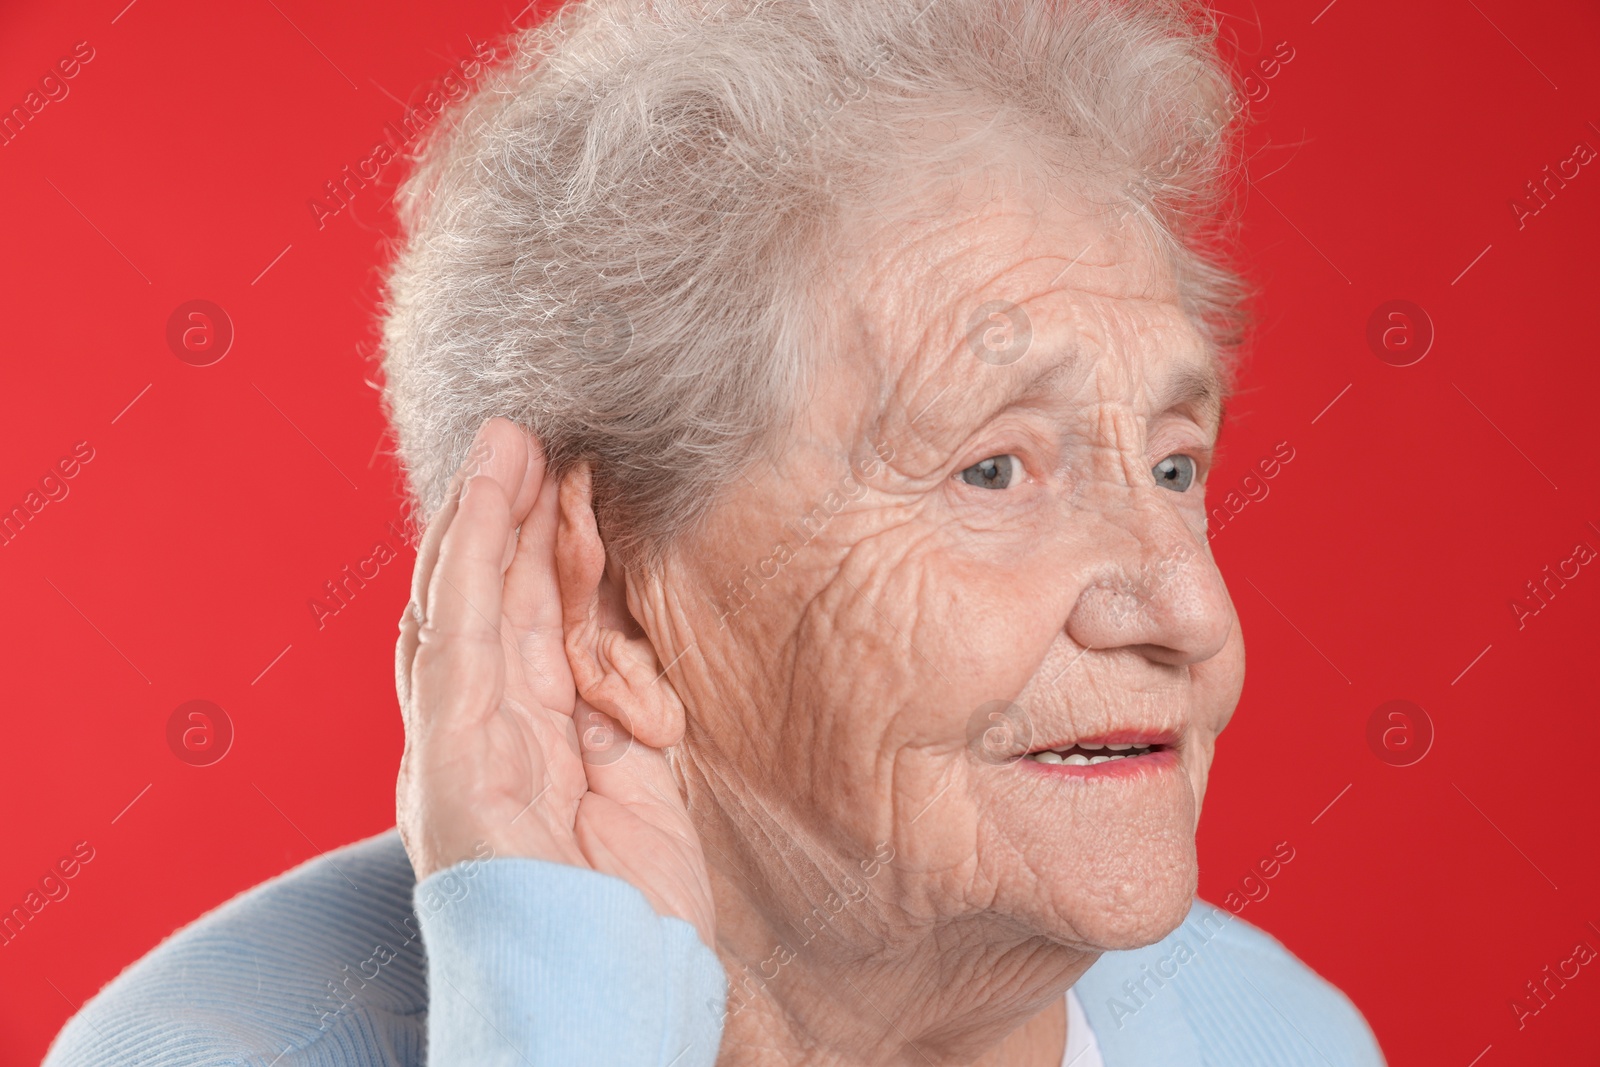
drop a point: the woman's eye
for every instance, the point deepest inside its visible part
(1175, 473)
(996, 472)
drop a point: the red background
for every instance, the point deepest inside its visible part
(1381, 566)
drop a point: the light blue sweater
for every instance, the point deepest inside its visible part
(534, 963)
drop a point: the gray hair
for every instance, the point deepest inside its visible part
(616, 241)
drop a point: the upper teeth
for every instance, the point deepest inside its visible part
(1078, 759)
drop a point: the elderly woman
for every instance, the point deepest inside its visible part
(815, 655)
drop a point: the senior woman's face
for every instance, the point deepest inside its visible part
(958, 530)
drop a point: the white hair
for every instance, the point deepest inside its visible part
(614, 241)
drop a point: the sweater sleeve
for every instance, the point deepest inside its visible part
(535, 963)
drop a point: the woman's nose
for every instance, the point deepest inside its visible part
(1153, 588)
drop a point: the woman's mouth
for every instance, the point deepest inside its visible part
(1098, 756)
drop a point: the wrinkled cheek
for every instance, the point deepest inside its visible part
(1197, 782)
(1199, 768)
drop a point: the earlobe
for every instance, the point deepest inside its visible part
(614, 672)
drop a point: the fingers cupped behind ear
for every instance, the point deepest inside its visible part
(511, 459)
(465, 591)
(405, 650)
(459, 668)
(533, 595)
(532, 604)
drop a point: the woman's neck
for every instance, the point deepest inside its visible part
(830, 962)
(844, 983)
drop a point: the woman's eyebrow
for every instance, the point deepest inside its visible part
(1046, 381)
(990, 400)
(1197, 387)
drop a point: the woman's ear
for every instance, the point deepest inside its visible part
(614, 671)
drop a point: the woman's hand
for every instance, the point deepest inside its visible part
(500, 748)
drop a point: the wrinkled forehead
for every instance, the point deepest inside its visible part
(999, 294)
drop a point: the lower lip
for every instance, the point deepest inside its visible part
(1127, 767)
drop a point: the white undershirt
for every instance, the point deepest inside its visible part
(1082, 1049)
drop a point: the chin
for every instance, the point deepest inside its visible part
(1136, 906)
(1102, 866)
